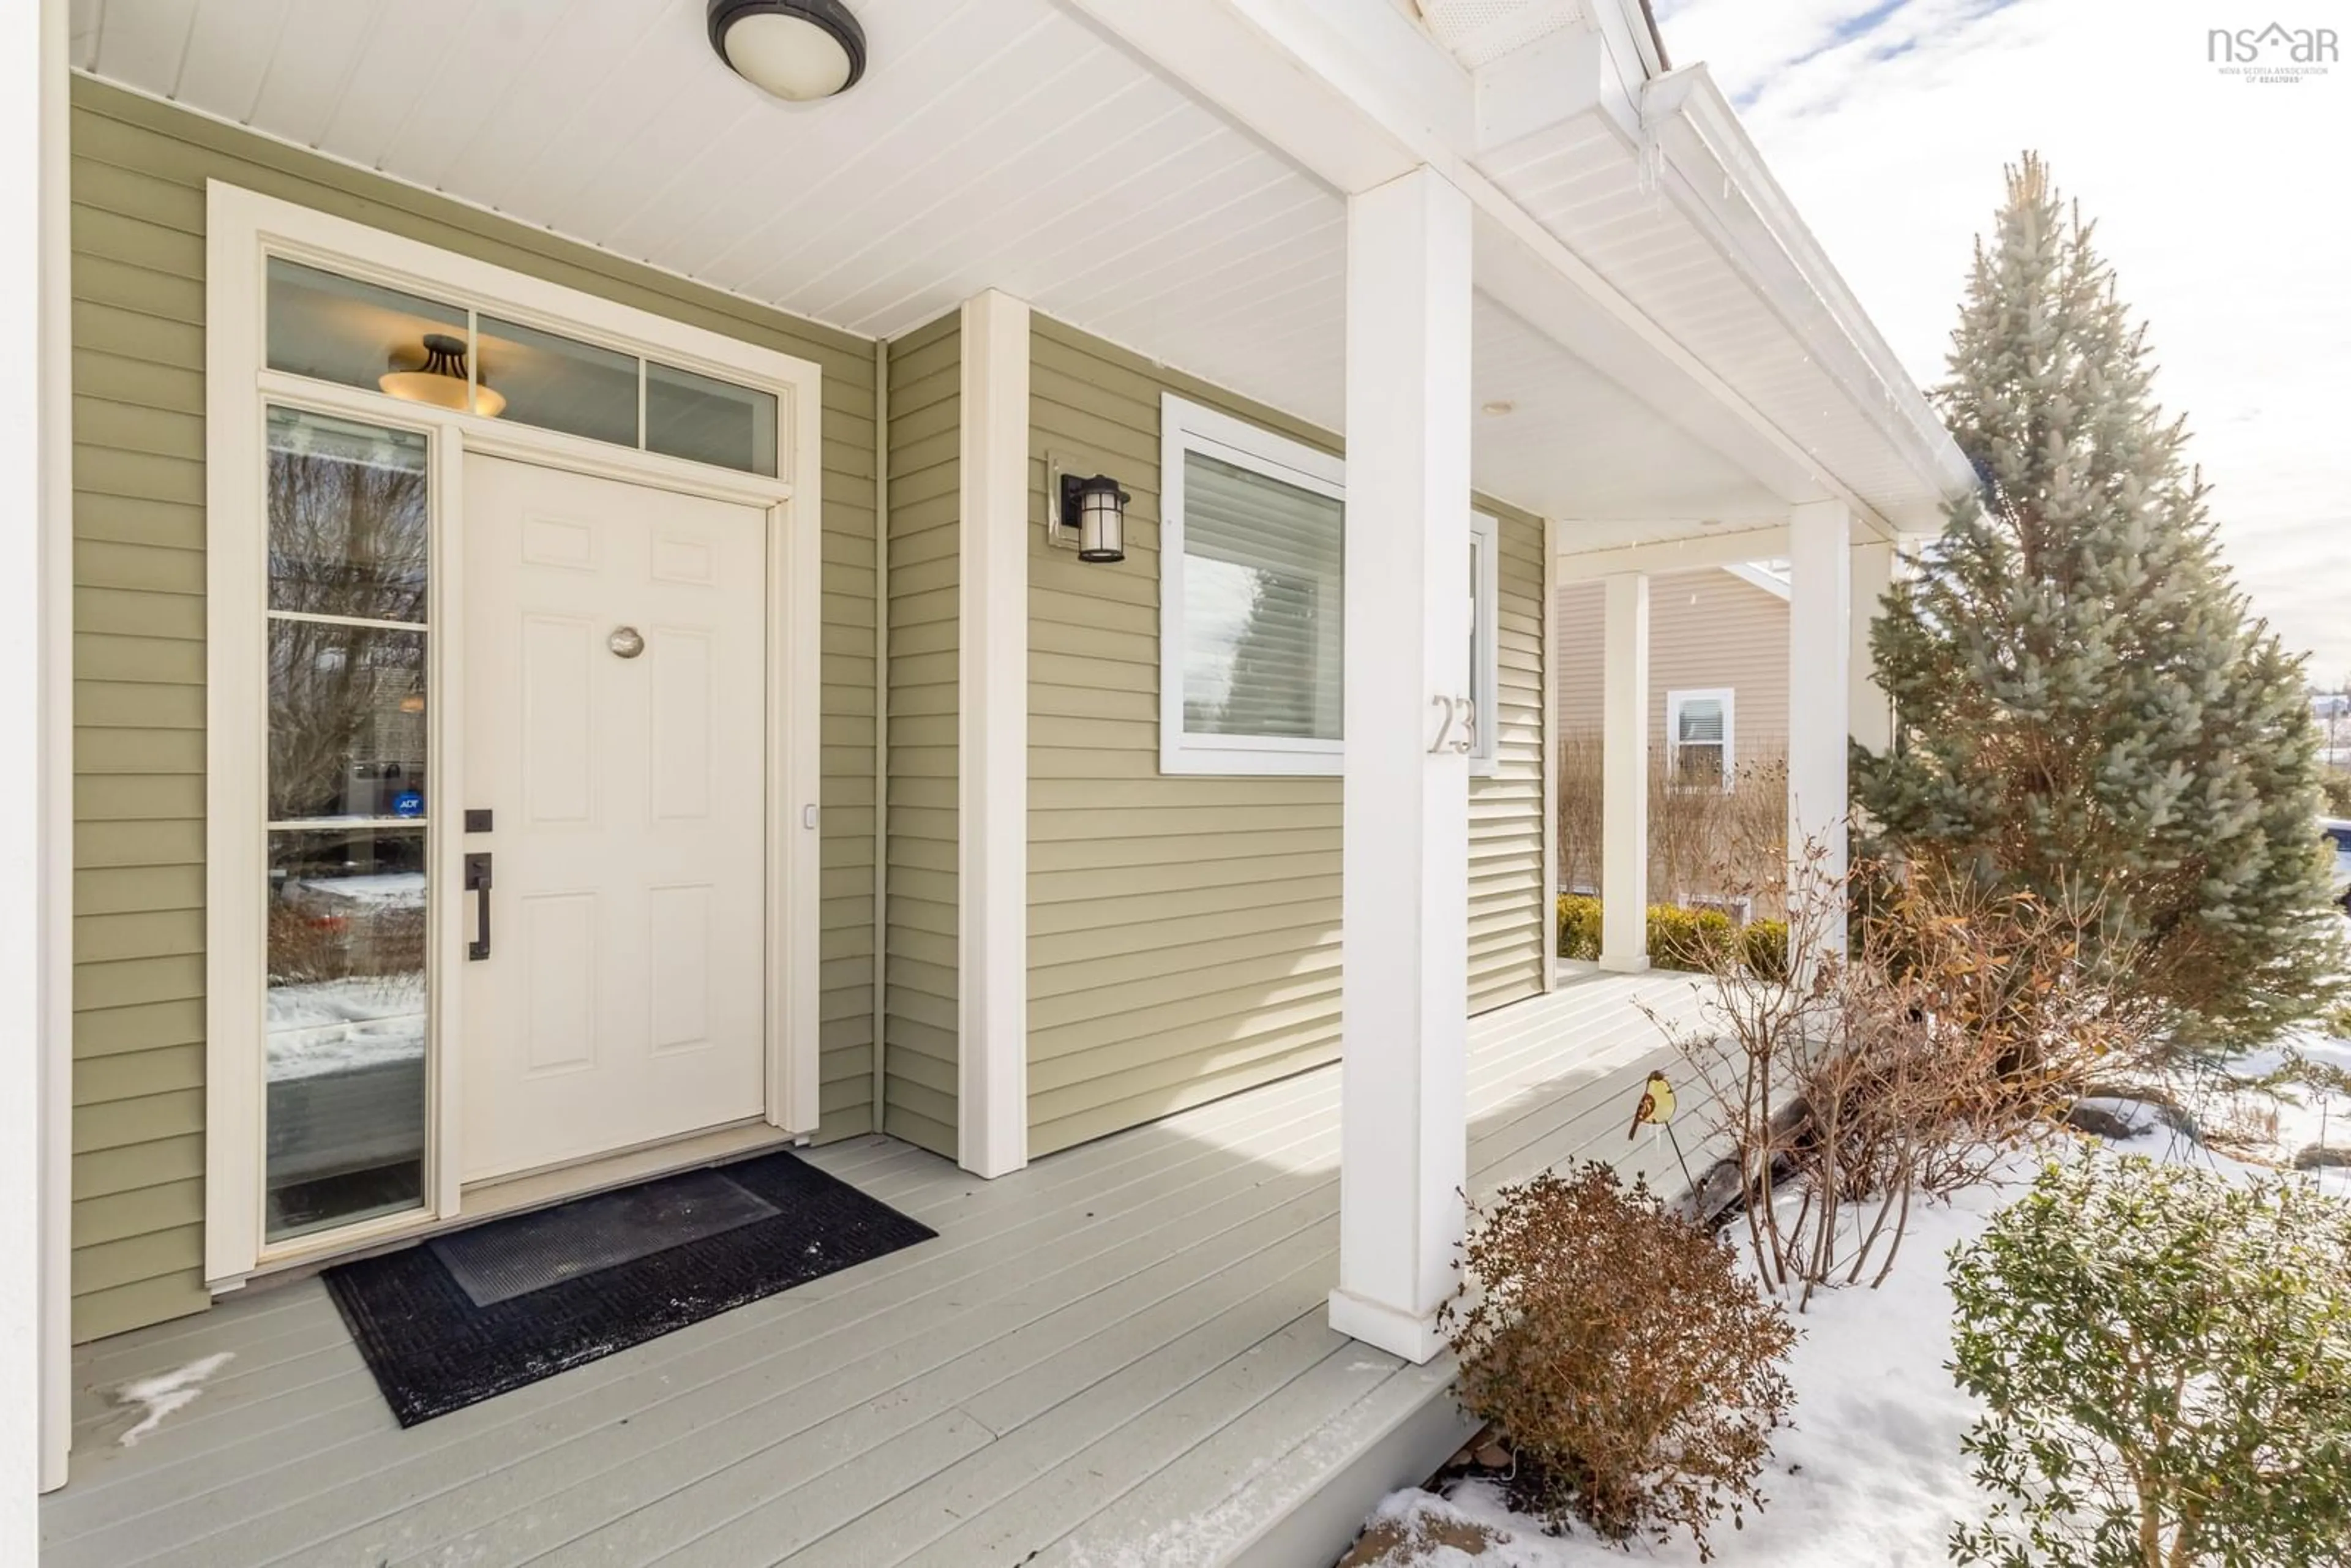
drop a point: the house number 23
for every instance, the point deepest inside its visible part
(1456, 726)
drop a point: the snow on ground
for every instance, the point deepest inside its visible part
(1870, 1470)
(327, 1026)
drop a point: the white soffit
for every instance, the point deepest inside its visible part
(995, 143)
(1480, 32)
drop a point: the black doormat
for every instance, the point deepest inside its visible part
(568, 1285)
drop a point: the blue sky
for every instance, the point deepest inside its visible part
(2218, 200)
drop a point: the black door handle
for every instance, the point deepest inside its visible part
(478, 881)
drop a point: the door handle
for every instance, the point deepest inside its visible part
(478, 881)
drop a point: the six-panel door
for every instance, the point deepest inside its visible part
(615, 713)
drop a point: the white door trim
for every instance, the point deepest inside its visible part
(243, 229)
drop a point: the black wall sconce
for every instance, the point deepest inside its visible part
(1088, 513)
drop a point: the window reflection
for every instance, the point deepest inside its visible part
(346, 1027)
(350, 510)
(708, 420)
(344, 1033)
(359, 334)
(340, 329)
(346, 721)
(559, 383)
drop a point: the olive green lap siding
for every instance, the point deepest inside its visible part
(919, 993)
(1507, 919)
(138, 226)
(1183, 930)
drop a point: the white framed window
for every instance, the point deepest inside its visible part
(1252, 573)
(1252, 578)
(1484, 686)
(1701, 738)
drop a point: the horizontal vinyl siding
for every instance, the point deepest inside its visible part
(1506, 950)
(920, 991)
(1183, 930)
(1707, 628)
(138, 170)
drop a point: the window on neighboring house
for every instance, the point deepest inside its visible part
(1700, 736)
(1252, 602)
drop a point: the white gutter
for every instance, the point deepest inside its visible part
(1725, 187)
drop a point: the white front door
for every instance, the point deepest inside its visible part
(615, 715)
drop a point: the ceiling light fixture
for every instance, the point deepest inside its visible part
(1498, 407)
(799, 50)
(440, 380)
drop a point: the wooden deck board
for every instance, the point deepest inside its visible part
(1117, 1356)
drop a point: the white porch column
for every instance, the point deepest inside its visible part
(1403, 1137)
(992, 740)
(1820, 682)
(1624, 775)
(1873, 710)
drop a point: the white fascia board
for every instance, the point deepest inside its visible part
(1565, 74)
(1723, 547)
(1719, 180)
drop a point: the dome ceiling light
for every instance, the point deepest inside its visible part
(441, 381)
(798, 50)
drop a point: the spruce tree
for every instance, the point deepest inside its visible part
(2087, 706)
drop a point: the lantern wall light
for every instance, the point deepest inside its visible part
(1089, 515)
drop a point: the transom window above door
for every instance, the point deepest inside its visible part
(450, 354)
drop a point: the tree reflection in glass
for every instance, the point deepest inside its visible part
(350, 535)
(349, 518)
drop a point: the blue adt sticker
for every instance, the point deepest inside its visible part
(408, 803)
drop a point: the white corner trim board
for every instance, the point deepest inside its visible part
(992, 740)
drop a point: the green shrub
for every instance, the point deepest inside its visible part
(1764, 948)
(2165, 1361)
(1579, 927)
(1689, 938)
(1635, 1371)
(1678, 938)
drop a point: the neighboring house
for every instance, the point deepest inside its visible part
(1717, 665)
(504, 437)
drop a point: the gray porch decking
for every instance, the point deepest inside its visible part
(1116, 1356)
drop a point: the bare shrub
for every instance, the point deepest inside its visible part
(1634, 1371)
(1962, 1023)
(1708, 843)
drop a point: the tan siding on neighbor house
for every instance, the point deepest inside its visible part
(1183, 930)
(920, 991)
(138, 224)
(1707, 628)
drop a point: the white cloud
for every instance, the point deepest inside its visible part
(2217, 201)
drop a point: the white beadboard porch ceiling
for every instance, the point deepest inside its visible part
(992, 143)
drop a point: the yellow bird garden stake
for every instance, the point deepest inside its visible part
(1657, 1113)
